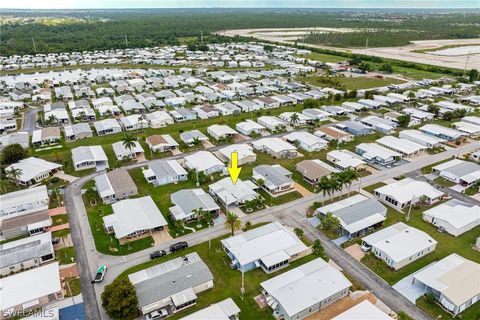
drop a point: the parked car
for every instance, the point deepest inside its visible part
(157, 254)
(100, 274)
(55, 241)
(441, 229)
(178, 246)
(366, 247)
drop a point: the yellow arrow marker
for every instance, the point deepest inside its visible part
(234, 170)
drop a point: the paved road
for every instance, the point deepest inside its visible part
(30, 120)
(88, 258)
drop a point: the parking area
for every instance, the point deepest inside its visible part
(408, 289)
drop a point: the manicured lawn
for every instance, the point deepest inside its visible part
(60, 233)
(74, 285)
(59, 219)
(324, 57)
(227, 282)
(107, 243)
(374, 186)
(65, 255)
(435, 310)
(444, 182)
(428, 169)
(356, 83)
(447, 244)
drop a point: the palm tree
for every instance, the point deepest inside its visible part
(51, 119)
(352, 176)
(140, 119)
(3, 184)
(196, 141)
(232, 223)
(324, 186)
(342, 178)
(14, 174)
(294, 119)
(129, 142)
(334, 186)
(80, 115)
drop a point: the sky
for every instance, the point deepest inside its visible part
(99, 4)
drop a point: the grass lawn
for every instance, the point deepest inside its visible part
(65, 255)
(275, 201)
(59, 219)
(74, 284)
(472, 191)
(324, 57)
(444, 182)
(447, 244)
(107, 243)
(435, 310)
(374, 186)
(60, 233)
(428, 169)
(227, 282)
(356, 83)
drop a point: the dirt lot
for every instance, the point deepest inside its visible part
(289, 35)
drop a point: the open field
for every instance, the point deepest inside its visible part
(405, 53)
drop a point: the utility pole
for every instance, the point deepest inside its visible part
(242, 290)
(201, 36)
(34, 46)
(126, 40)
(466, 62)
(410, 208)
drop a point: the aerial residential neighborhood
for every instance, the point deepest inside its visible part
(225, 162)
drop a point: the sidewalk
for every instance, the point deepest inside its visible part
(59, 227)
(57, 211)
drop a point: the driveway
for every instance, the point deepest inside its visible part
(408, 289)
(30, 120)
(355, 250)
(302, 190)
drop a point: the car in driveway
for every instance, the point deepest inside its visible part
(366, 247)
(157, 254)
(100, 274)
(178, 246)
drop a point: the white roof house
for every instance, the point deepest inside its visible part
(272, 123)
(406, 147)
(244, 152)
(187, 201)
(270, 247)
(442, 132)
(134, 122)
(403, 192)
(462, 172)
(220, 131)
(472, 119)
(26, 289)
(306, 141)
(132, 217)
(87, 157)
(276, 147)
(454, 280)
(32, 199)
(34, 169)
(107, 126)
(375, 153)
(344, 159)
(164, 172)
(454, 216)
(400, 244)
(306, 289)
(301, 118)
(204, 161)
(362, 311)
(356, 213)
(159, 119)
(233, 194)
(189, 136)
(121, 152)
(468, 128)
(421, 138)
(248, 127)
(223, 310)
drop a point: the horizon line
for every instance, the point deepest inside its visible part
(287, 7)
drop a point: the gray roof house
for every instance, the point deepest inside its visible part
(87, 157)
(189, 136)
(356, 214)
(163, 172)
(187, 201)
(78, 131)
(26, 253)
(115, 185)
(276, 179)
(170, 286)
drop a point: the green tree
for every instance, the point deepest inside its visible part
(119, 299)
(330, 222)
(473, 75)
(232, 223)
(317, 248)
(14, 174)
(298, 232)
(403, 316)
(310, 103)
(403, 120)
(433, 109)
(294, 119)
(386, 67)
(13, 153)
(129, 142)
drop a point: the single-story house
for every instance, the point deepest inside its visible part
(159, 119)
(183, 114)
(378, 124)
(204, 161)
(465, 173)
(405, 147)
(363, 310)
(115, 185)
(187, 203)
(399, 245)
(229, 194)
(78, 131)
(302, 291)
(134, 217)
(454, 281)
(244, 152)
(354, 127)
(107, 126)
(270, 247)
(442, 132)
(122, 152)
(421, 138)
(332, 133)
(313, 170)
(402, 193)
(171, 286)
(45, 136)
(221, 131)
(374, 153)
(272, 123)
(34, 170)
(344, 159)
(162, 172)
(467, 128)
(306, 141)
(357, 214)
(455, 217)
(161, 143)
(134, 122)
(275, 147)
(20, 138)
(87, 157)
(223, 310)
(316, 114)
(276, 179)
(189, 137)
(249, 127)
